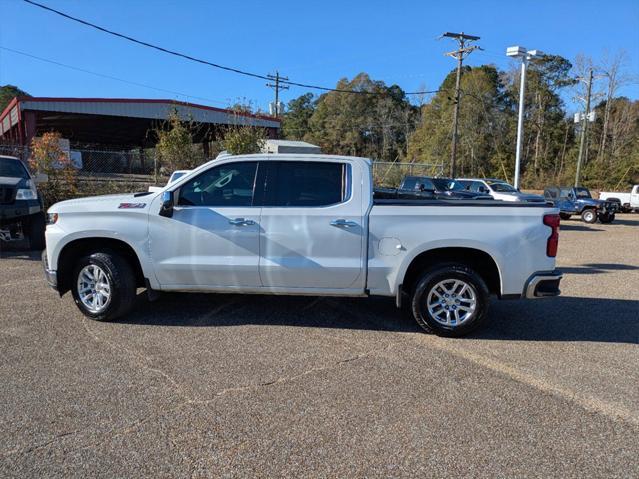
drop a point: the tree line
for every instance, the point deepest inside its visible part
(385, 125)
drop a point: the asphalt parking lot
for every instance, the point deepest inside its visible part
(221, 385)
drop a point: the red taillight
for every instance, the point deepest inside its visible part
(553, 239)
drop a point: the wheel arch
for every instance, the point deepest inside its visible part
(77, 248)
(479, 260)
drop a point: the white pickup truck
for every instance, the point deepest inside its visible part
(301, 224)
(627, 201)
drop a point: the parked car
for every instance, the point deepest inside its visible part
(21, 207)
(499, 190)
(578, 201)
(306, 225)
(439, 187)
(627, 201)
(177, 174)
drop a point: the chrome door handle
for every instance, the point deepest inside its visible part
(241, 222)
(342, 223)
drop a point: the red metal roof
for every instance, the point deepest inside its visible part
(19, 99)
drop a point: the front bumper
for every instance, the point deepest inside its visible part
(543, 284)
(20, 209)
(50, 275)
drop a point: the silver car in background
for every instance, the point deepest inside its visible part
(499, 190)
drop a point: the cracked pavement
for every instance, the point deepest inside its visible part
(262, 386)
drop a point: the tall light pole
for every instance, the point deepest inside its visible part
(584, 127)
(526, 56)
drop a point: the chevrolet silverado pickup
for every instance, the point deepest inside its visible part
(301, 224)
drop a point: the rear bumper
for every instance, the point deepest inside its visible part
(50, 275)
(543, 284)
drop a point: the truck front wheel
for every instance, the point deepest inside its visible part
(103, 286)
(450, 300)
(589, 216)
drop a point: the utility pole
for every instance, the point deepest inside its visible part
(584, 128)
(277, 86)
(459, 54)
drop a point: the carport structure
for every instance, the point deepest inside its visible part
(121, 123)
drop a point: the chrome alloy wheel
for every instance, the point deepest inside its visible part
(94, 289)
(451, 302)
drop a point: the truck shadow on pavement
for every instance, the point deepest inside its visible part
(13, 252)
(564, 318)
(557, 319)
(576, 227)
(597, 268)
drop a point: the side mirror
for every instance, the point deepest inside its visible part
(167, 204)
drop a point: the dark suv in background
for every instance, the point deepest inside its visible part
(440, 187)
(429, 188)
(21, 208)
(578, 201)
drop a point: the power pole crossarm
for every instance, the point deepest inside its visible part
(277, 86)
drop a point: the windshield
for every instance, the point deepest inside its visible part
(12, 168)
(582, 193)
(444, 184)
(177, 175)
(501, 187)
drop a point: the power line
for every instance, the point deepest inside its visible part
(53, 62)
(205, 62)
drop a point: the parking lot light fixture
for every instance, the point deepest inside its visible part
(526, 56)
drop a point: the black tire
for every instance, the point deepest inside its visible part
(429, 281)
(35, 231)
(121, 280)
(607, 218)
(564, 216)
(589, 216)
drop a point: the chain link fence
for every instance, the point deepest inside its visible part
(102, 171)
(124, 167)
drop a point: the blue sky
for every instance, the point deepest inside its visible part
(310, 42)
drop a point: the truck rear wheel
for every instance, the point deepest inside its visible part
(450, 300)
(564, 216)
(589, 216)
(103, 286)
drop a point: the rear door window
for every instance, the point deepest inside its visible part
(306, 183)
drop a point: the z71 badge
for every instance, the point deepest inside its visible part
(131, 205)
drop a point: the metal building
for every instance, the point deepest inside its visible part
(116, 122)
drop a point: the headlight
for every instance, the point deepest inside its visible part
(52, 218)
(29, 193)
